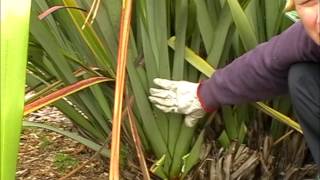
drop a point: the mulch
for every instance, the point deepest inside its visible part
(40, 149)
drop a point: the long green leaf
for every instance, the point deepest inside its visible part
(194, 156)
(14, 42)
(243, 26)
(178, 146)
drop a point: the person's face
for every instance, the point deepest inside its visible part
(309, 13)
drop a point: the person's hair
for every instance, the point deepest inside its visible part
(289, 6)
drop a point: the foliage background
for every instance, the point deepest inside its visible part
(172, 39)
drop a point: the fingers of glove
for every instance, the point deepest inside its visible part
(197, 114)
(162, 93)
(165, 84)
(163, 101)
(190, 121)
(166, 108)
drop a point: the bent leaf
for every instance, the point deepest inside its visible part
(35, 105)
(74, 136)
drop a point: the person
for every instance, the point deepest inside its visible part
(288, 63)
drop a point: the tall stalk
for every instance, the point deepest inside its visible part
(120, 84)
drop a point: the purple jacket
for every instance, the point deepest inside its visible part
(260, 73)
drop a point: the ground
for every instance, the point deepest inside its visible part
(47, 155)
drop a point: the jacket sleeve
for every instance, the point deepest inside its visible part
(260, 73)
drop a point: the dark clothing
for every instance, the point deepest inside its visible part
(304, 89)
(263, 73)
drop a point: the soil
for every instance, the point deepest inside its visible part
(45, 155)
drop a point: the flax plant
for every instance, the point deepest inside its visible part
(204, 35)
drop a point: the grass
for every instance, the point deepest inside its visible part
(64, 161)
(45, 143)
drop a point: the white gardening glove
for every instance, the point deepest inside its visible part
(179, 97)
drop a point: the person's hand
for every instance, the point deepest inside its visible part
(179, 97)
